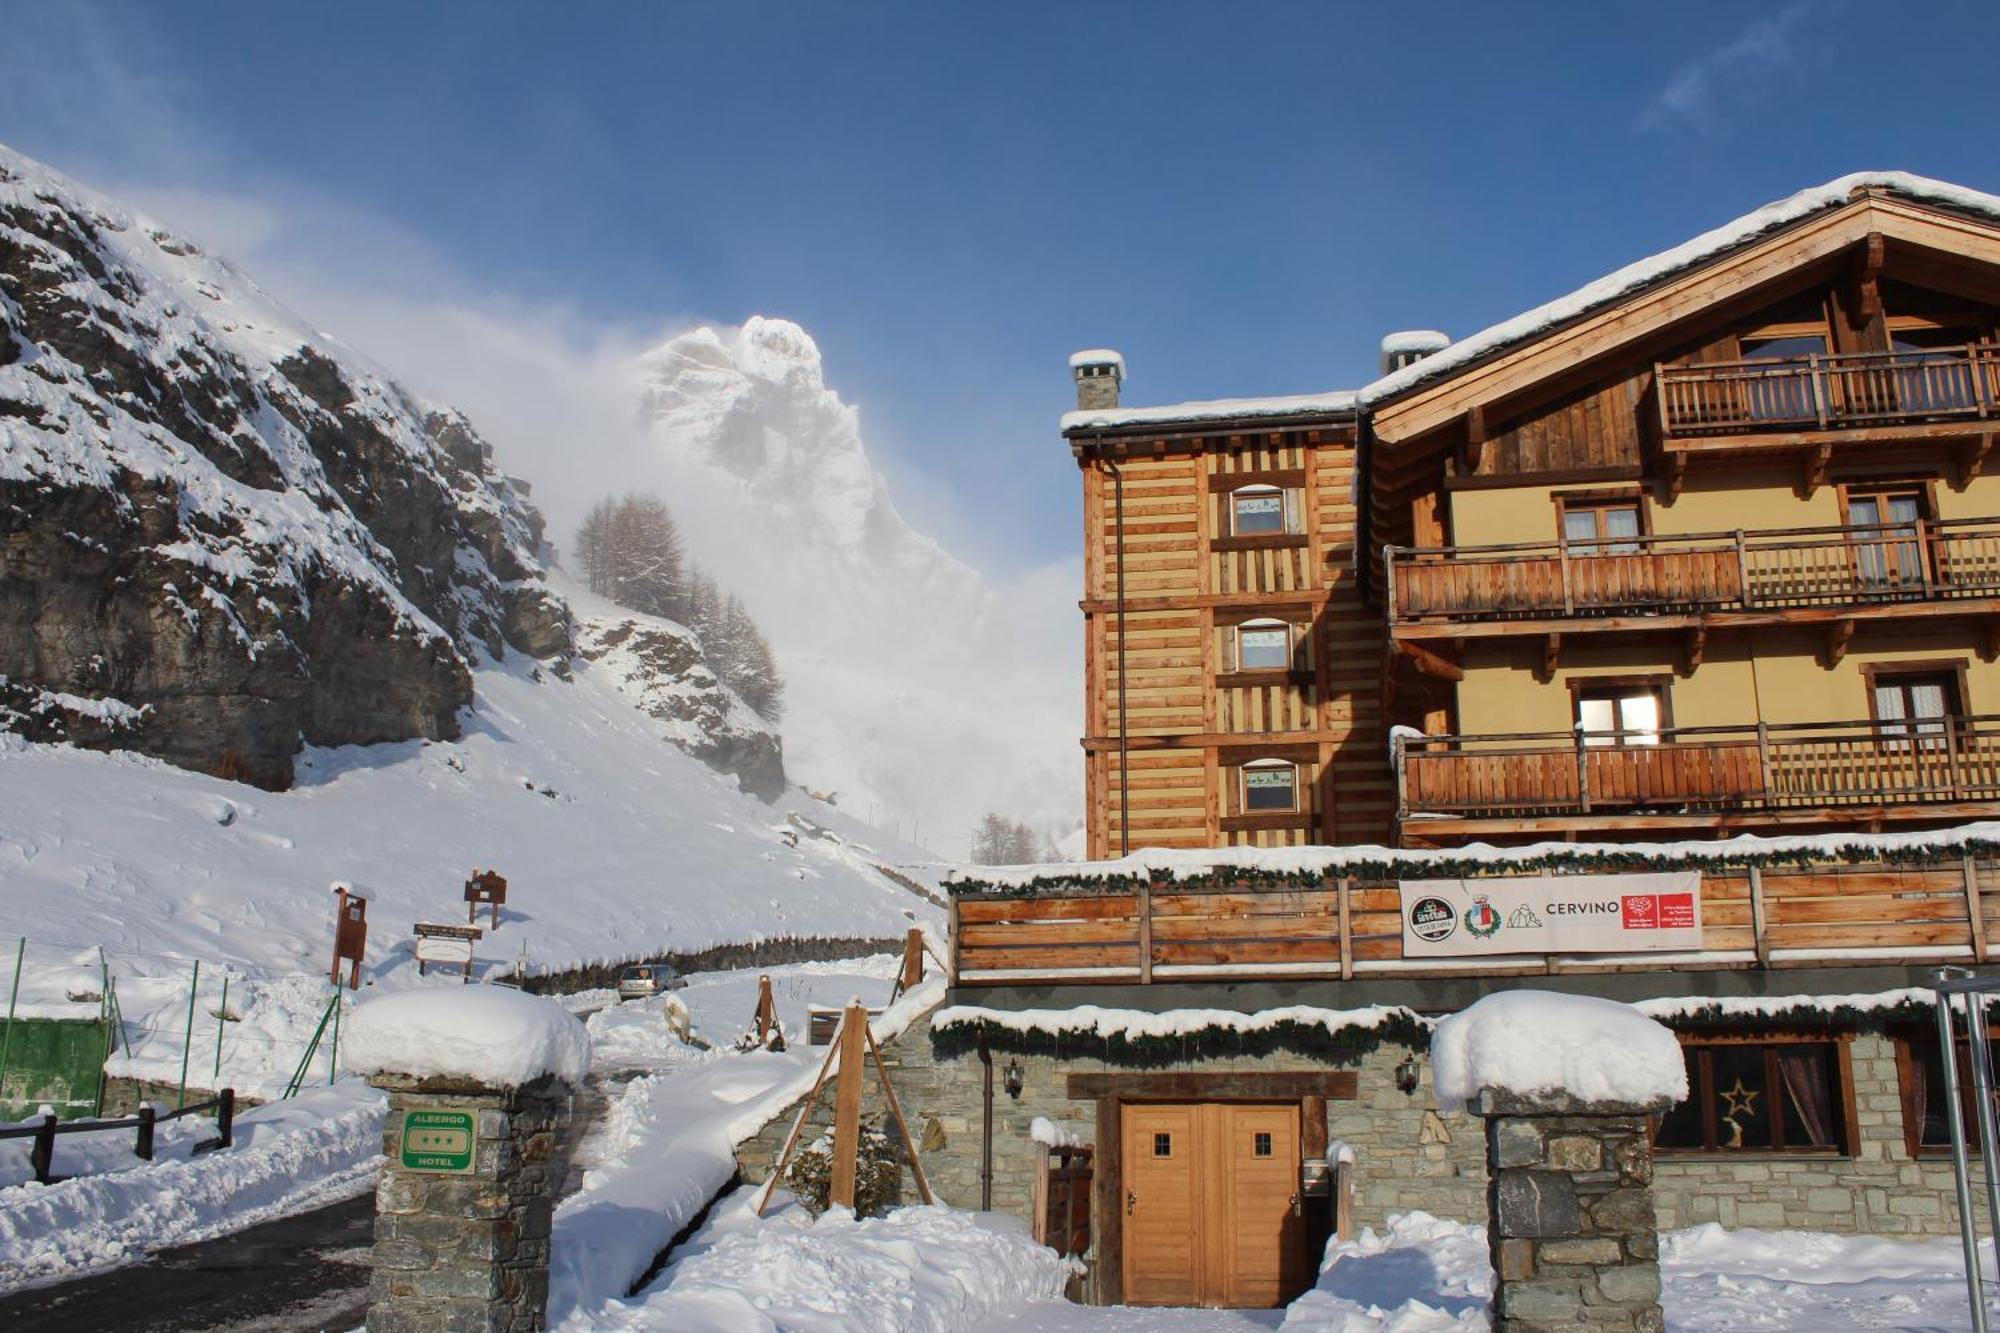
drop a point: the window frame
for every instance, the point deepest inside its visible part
(1233, 649)
(1905, 1036)
(1849, 489)
(1661, 684)
(1955, 671)
(1849, 1145)
(1597, 501)
(1268, 764)
(1291, 504)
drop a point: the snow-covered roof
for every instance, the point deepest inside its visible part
(1645, 272)
(1097, 356)
(1306, 862)
(1340, 401)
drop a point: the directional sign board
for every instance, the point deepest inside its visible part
(442, 1141)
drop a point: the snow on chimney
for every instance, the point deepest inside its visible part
(1411, 345)
(1098, 371)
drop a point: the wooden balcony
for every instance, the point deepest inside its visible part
(1699, 778)
(1829, 392)
(1345, 927)
(1709, 579)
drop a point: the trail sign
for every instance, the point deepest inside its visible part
(440, 1141)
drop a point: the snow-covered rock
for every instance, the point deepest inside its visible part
(235, 536)
(1528, 1042)
(490, 1034)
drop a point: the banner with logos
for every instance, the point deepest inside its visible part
(1637, 913)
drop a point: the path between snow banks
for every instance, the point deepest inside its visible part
(289, 1156)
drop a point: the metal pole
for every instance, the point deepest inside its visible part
(1982, 1082)
(1955, 1114)
(7, 1037)
(187, 1039)
(333, 1047)
(221, 1017)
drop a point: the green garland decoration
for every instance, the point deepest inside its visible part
(1341, 1046)
(1799, 1018)
(1390, 867)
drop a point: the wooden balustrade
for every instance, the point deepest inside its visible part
(1344, 928)
(1828, 391)
(1690, 770)
(1712, 572)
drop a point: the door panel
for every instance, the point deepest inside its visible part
(1162, 1156)
(1258, 1147)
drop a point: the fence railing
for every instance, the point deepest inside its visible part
(1767, 767)
(1926, 560)
(1826, 391)
(41, 1157)
(1345, 927)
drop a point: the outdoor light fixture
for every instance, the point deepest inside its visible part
(1011, 1078)
(1407, 1074)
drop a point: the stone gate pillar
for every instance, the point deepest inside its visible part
(1570, 1219)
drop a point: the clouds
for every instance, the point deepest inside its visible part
(1712, 93)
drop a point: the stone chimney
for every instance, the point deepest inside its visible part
(1410, 346)
(1098, 373)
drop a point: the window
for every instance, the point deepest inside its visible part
(1262, 511)
(1270, 785)
(1260, 1144)
(1163, 1145)
(1920, 1080)
(1911, 705)
(1888, 546)
(1755, 1096)
(1602, 526)
(1263, 645)
(1784, 391)
(1619, 712)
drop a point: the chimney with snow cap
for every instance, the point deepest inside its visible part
(1410, 346)
(1098, 371)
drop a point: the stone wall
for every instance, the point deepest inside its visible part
(1408, 1156)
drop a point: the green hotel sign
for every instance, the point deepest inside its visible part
(436, 1140)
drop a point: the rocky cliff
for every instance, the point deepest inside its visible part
(222, 535)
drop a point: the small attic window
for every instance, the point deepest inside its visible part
(1263, 645)
(1270, 786)
(1262, 510)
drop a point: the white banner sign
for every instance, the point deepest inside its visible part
(1456, 918)
(443, 949)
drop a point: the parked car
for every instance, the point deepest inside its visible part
(642, 980)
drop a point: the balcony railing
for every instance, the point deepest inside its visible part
(1767, 768)
(1776, 570)
(1825, 392)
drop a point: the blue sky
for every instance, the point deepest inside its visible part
(1242, 198)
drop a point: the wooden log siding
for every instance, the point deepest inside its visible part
(1850, 389)
(1778, 768)
(1948, 560)
(1910, 913)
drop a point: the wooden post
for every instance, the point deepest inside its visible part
(913, 959)
(142, 1146)
(798, 1125)
(1343, 1200)
(1758, 937)
(339, 920)
(951, 944)
(42, 1153)
(1742, 571)
(1146, 934)
(1107, 1203)
(1973, 911)
(852, 1045)
(1346, 892)
(767, 1010)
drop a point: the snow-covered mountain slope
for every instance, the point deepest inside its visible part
(614, 844)
(222, 534)
(912, 686)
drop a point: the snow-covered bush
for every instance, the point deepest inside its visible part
(878, 1173)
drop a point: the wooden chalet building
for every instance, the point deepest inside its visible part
(1678, 597)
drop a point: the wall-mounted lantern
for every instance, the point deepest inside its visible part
(1408, 1075)
(1012, 1077)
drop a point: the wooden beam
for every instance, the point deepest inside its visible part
(1551, 658)
(1338, 1084)
(1427, 661)
(1677, 466)
(1838, 636)
(847, 1105)
(1817, 463)
(1972, 458)
(1107, 1203)
(1475, 436)
(1697, 645)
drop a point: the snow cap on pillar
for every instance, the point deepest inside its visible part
(1098, 372)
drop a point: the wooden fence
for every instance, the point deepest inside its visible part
(41, 1153)
(1343, 927)
(1776, 570)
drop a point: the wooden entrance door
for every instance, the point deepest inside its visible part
(1211, 1213)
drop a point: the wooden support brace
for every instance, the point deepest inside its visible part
(1677, 466)
(1475, 437)
(1697, 646)
(1838, 637)
(798, 1126)
(1817, 463)
(1551, 658)
(896, 1110)
(1427, 662)
(1973, 457)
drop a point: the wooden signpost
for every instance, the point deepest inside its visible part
(485, 886)
(350, 934)
(850, 1050)
(767, 1011)
(445, 944)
